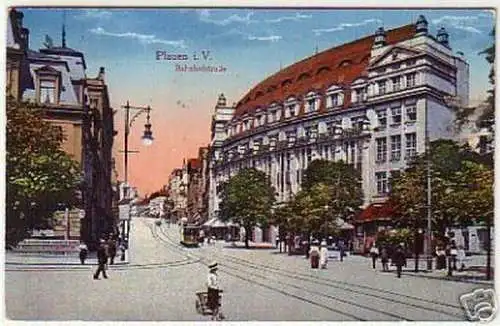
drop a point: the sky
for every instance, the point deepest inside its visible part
(250, 44)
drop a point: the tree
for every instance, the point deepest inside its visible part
(247, 199)
(309, 209)
(39, 174)
(344, 184)
(451, 197)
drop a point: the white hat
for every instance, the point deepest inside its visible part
(323, 243)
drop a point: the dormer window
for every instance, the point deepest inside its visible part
(311, 105)
(48, 91)
(290, 111)
(336, 99)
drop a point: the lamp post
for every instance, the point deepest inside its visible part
(147, 139)
(326, 222)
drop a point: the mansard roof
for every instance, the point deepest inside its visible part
(339, 65)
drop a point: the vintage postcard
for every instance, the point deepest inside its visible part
(199, 163)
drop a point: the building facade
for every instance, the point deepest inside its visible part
(55, 78)
(177, 194)
(373, 103)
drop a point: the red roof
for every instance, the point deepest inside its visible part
(377, 211)
(340, 65)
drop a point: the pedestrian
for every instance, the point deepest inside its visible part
(102, 259)
(323, 254)
(83, 252)
(441, 258)
(213, 287)
(453, 255)
(461, 257)
(399, 259)
(201, 237)
(122, 248)
(384, 257)
(341, 250)
(111, 250)
(314, 254)
(374, 254)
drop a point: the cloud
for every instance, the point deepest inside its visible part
(465, 23)
(143, 38)
(95, 14)
(297, 17)
(271, 38)
(205, 16)
(343, 26)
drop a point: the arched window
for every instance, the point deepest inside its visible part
(286, 82)
(345, 63)
(322, 70)
(303, 76)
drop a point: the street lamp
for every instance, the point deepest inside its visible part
(147, 140)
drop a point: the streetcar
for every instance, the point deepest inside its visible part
(189, 235)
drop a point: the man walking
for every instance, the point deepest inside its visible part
(102, 259)
(213, 301)
(399, 259)
(111, 250)
(374, 253)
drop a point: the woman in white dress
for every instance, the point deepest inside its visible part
(323, 254)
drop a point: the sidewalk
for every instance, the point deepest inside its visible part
(251, 245)
(13, 258)
(474, 272)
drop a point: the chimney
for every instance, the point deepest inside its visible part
(101, 74)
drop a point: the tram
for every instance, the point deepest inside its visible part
(189, 235)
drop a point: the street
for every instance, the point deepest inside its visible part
(160, 283)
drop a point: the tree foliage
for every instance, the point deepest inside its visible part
(39, 174)
(453, 200)
(344, 184)
(247, 199)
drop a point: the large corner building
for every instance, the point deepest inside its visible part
(372, 103)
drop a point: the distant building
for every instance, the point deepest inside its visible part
(177, 193)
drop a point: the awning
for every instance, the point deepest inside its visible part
(216, 223)
(377, 212)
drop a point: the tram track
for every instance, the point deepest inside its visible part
(386, 296)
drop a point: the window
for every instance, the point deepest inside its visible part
(276, 115)
(311, 105)
(396, 84)
(334, 100)
(381, 149)
(290, 135)
(396, 148)
(48, 91)
(270, 118)
(262, 120)
(382, 184)
(382, 118)
(396, 115)
(382, 87)
(411, 145)
(410, 80)
(411, 113)
(291, 110)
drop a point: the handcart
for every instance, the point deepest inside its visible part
(202, 304)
